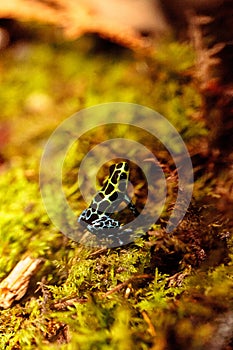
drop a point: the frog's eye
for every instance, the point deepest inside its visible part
(123, 176)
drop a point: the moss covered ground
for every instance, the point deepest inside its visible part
(164, 291)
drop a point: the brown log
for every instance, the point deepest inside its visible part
(15, 285)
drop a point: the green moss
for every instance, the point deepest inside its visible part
(134, 297)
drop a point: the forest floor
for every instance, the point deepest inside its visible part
(162, 291)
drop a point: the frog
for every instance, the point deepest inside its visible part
(97, 218)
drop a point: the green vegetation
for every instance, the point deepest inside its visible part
(164, 291)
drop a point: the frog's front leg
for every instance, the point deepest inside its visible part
(131, 206)
(134, 210)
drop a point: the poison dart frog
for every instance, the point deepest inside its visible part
(97, 217)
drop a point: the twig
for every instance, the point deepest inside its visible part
(62, 305)
(151, 328)
(124, 284)
(98, 252)
(206, 57)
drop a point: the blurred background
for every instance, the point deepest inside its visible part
(174, 56)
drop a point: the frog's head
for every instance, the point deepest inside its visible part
(119, 176)
(114, 190)
(117, 180)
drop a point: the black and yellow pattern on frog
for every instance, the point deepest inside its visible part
(97, 217)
